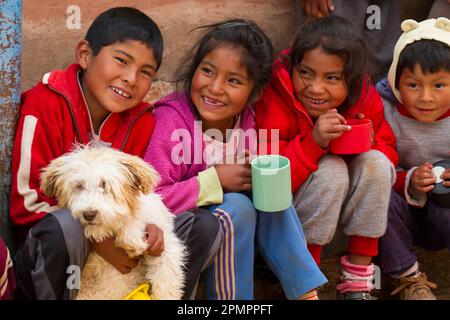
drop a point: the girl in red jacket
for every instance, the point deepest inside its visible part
(315, 88)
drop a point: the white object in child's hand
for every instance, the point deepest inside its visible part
(437, 171)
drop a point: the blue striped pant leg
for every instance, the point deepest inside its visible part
(230, 276)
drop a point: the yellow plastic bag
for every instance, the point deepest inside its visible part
(140, 293)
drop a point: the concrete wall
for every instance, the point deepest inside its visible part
(48, 43)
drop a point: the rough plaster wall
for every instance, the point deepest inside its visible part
(48, 44)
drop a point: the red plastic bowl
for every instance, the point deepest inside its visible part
(357, 140)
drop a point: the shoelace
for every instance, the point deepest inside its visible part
(416, 283)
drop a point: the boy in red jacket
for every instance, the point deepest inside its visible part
(96, 100)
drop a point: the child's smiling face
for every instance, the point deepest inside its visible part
(319, 82)
(425, 96)
(221, 87)
(118, 77)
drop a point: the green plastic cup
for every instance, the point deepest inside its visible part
(271, 183)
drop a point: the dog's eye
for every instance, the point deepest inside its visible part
(79, 187)
(103, 184)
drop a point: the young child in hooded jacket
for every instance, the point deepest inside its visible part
(416, 98)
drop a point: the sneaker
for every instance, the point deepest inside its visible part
(355, 296)
(356, 281)
(415, 288)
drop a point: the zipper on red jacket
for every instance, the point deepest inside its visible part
(71, 111)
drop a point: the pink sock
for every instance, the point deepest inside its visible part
(355, 278)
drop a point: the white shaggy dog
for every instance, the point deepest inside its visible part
(110, 193)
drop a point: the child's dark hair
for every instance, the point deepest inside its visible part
(124, 23)
(338, 36)
(257, 56)
(431, 55)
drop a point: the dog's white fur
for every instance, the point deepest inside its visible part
(117, 189)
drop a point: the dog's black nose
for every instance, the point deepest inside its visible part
(89, 215)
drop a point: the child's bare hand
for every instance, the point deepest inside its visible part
(329, 126)
(117, 257)
(446, 176)
(155, 240)
(236, 176)
(422, 180)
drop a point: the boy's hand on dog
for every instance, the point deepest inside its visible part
(236, 176)
(422, 180)
(155, 239)
(117, 257)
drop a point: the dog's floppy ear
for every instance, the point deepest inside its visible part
(143, 177)
(51, 182)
